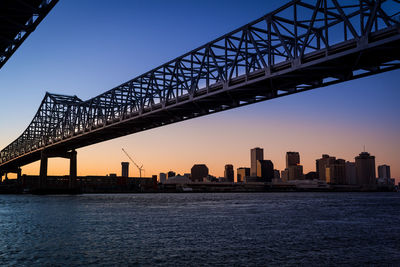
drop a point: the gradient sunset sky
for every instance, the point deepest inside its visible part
(84, 48)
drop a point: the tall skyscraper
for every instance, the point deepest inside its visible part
(125, 169)
(384, 171)
(229, 173)
(241, 173)
(293, 171)
(255, 154)
(336, 173)
(265, 170)
(351, 175)
(365, 169)
(322, 163)
(292, 159)
(199, 172)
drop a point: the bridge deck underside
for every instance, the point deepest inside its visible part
(349, 61)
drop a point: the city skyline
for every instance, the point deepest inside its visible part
(338, 120)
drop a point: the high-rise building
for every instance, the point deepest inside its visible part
(125, 169)
(365, 169)
(163, 177)
(171, 174)
(384, 171)
(199, 172)
(229, 173)
(265, 170)
(336, 173)
(292, 159)
(241, 173)
(384, 174)
(295, 172)
(351, 175)
(255, 154)
(321, 165)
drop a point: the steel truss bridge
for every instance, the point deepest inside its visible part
(301, 46)
(18, 19)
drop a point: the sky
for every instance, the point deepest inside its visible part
(85, 48)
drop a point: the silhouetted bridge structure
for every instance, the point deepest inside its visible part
(301, 46)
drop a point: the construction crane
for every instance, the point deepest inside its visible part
(137, 166)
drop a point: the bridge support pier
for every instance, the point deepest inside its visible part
(45, 155)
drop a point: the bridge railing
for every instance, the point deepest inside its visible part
(298, 32)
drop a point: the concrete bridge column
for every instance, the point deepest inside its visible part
(45, 155)
(72, 169)
(43, 169)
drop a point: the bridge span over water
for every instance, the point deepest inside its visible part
(303, 45)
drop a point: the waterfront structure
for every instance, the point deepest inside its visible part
(162, 177)
(365, 169)
(384, 174)
(335, 173)
(384, 171)
(229, 173)
(285, 175)
(277, 174)
(295, 172)
(265, 170)
(178, 179)
(241, 173)
(351, 174)
(255, 154)
(321, 164)
(125, 169)
(199, 172)
(310, 176)
(292, 159)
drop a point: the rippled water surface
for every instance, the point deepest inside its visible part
(201, 229)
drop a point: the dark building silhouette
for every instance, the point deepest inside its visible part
(351, 174)
(229, 173)
(255, 154)
(365, 169)
(198, 172)
(292, 159)
(171, 174)
(125, 169)
(265, 170)
(242, 172)
(335, 173)
(277, 174)
(163, 177)
(321, 165)
(311, 176)
(384, 171)
(293, 171)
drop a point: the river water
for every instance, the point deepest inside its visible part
(249, 229)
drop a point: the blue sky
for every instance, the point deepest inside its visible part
(84, 48)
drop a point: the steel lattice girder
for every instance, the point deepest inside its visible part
(18, 19)
(300, 46)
